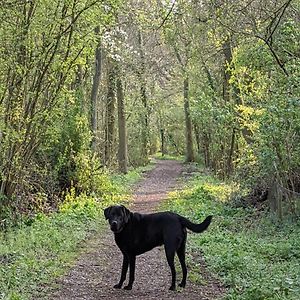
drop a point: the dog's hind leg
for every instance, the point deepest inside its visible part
(123, 273)
(181, 256)
(170, 253)
(131, 272)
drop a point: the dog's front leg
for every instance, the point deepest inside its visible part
(131, 272)
(123, 273)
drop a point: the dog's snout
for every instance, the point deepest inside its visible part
(114, 225)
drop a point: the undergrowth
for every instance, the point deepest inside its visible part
(42, 248)
(254, 256)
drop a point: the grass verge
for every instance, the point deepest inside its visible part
(33, 254)
(159, 155)
(255, 257)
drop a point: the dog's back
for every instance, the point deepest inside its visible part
(146, 231)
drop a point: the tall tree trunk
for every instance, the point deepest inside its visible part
(163, 146)
(110, 113)
(228, 59)
(232, 94)
(188, 122)
(197, 136)
(95, 89)
(122, 151)
(231, 153)
(206, 149)
(228, 96)
(144, 98)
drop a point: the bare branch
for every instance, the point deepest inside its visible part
(167, 16)
(284, 7)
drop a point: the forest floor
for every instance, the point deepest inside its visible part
(98, 268)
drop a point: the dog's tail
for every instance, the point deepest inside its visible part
(196, 227)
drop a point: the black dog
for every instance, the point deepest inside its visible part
(136, 233)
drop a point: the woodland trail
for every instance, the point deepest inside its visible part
(98, 269)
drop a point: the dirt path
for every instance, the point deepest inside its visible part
(96, 271)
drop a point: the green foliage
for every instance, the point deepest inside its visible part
(44, 118)
(33, 255)
(243, 71)
(123, 181)
(42, 248)
(254, 257)
(244, 95)
(270, 113)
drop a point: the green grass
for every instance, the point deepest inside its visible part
(159, 155)
(124, 182)
(42, 248)
(33, 255)
(254, 256)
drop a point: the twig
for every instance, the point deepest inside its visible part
(167, 16)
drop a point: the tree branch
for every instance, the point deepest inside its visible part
(167, 16)
(284, 7)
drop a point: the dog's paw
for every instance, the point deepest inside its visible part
(117, 286)
(172, 288)
(182, 284)
(128, 287)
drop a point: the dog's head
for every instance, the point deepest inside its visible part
(117, 216)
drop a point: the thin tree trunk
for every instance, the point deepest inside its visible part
(231, 152)
(197, 136)
(162, 137)
(145, 135)
(122, 151)
(144, 98)
(188, 122)
(110, 114)
(229, 95)
(207, 140)
(95, 89)
(228, 59)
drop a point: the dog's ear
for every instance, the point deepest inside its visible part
(107, 212)
(126, 213)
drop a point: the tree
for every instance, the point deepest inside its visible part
(180, 39)
(122, 151)
(45, 45)
(110, 112)
(95, 90)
